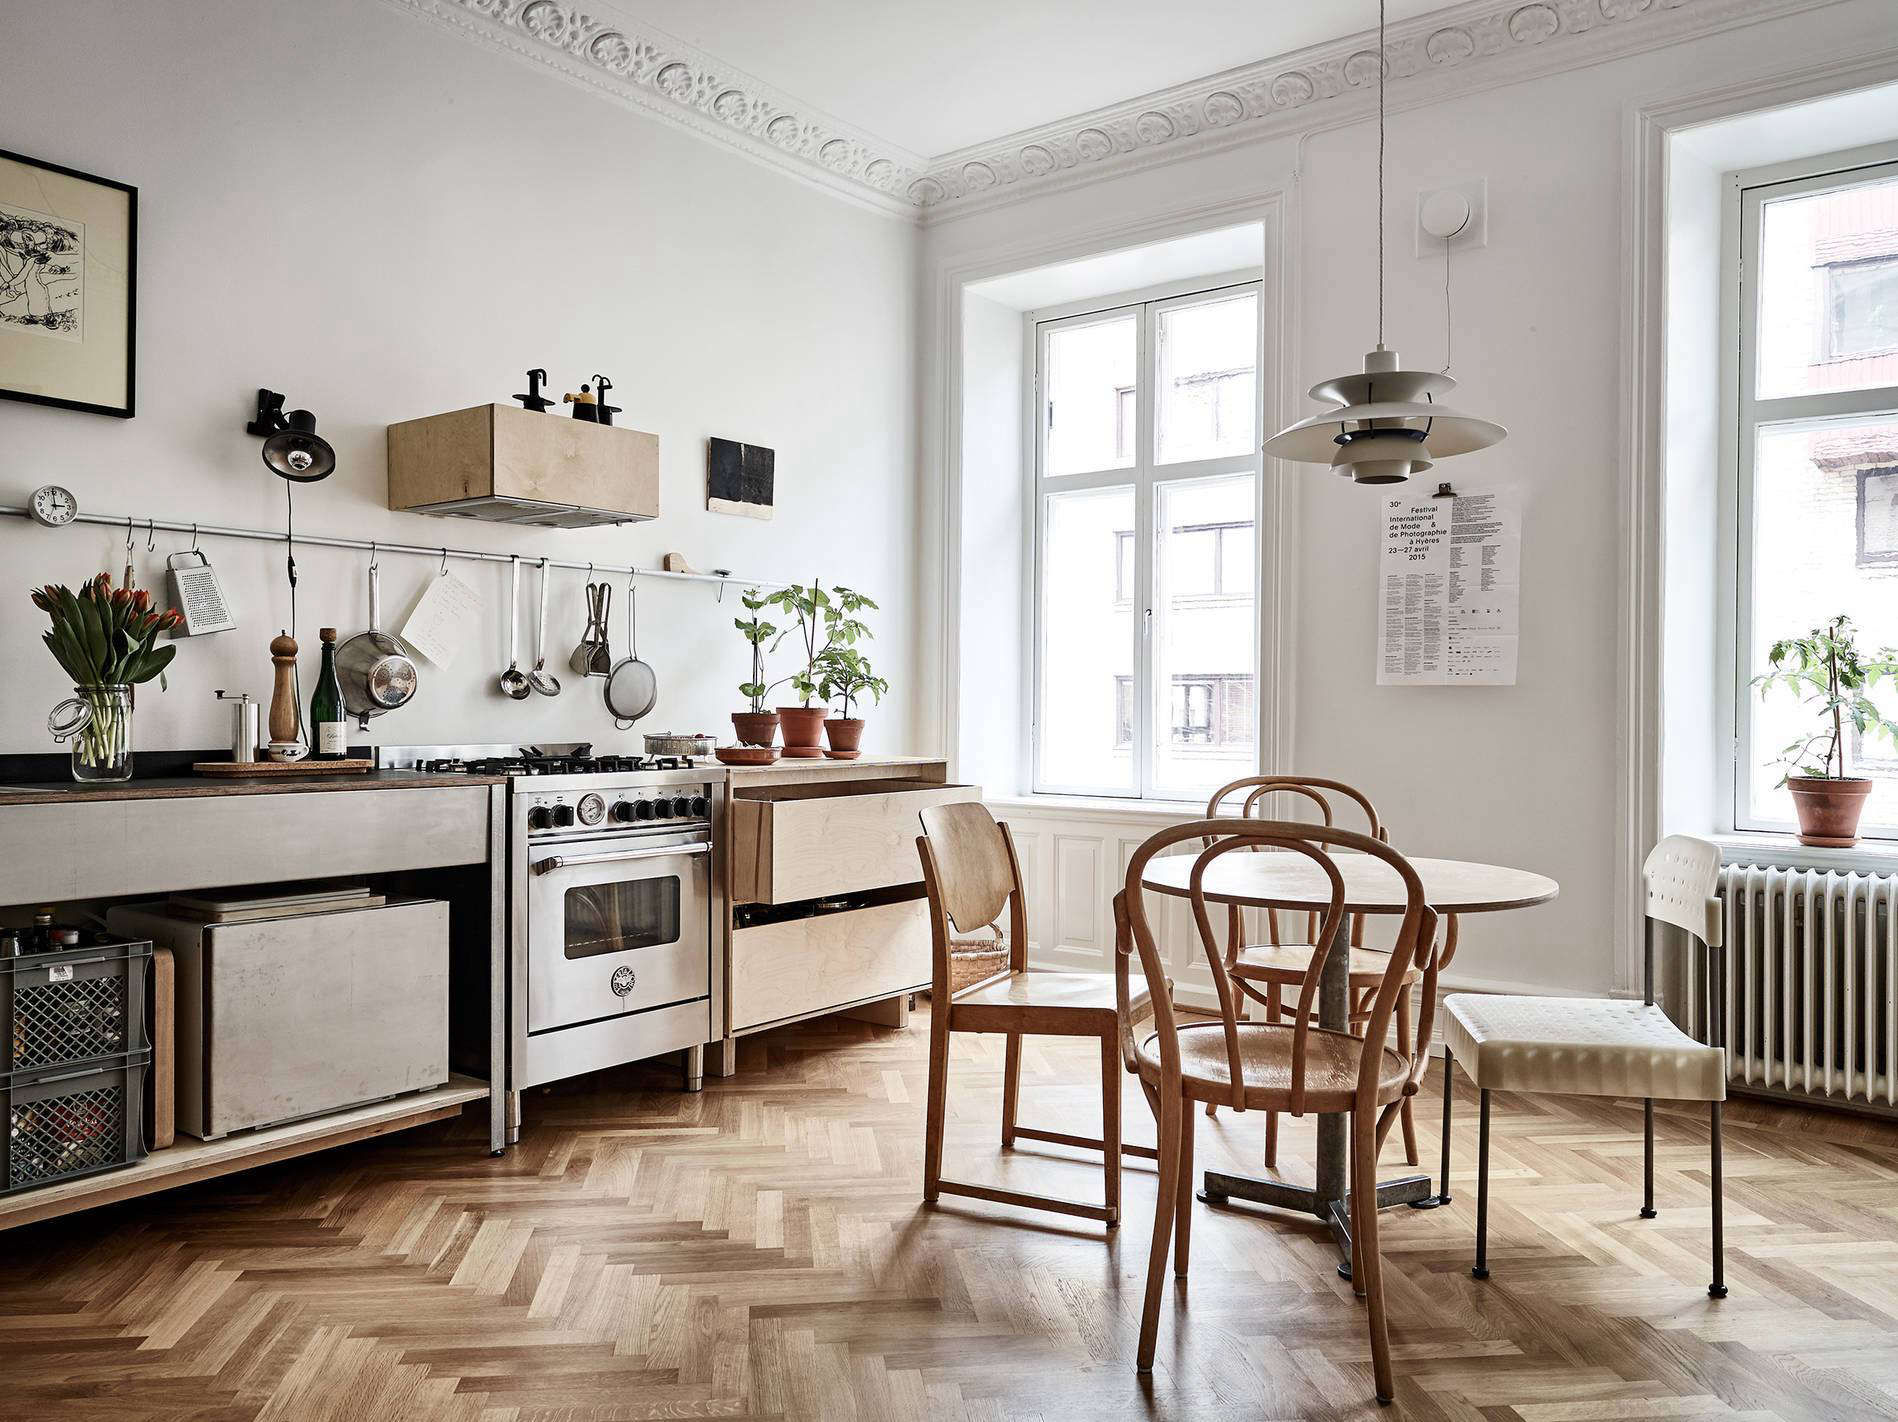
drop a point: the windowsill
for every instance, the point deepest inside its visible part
(1103, 807)
(1784, 851)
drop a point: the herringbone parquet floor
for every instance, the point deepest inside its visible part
(760, 1252)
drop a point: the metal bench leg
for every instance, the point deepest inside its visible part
(1718, 1288)
(1449, 1094)
(1481, 1271)
(1647, 1158)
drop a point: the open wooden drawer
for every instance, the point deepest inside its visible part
(796, 842)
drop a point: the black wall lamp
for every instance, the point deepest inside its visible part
(292, 448)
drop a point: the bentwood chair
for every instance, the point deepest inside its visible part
(1577, 1046)
(978, 914)
(1293, 1066)
(1265, 972)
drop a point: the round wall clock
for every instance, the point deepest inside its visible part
(53, 506)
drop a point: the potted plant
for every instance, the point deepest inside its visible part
(1827, 671)
(756, 727)
(846, 674)
(105, 638)
(823, 622)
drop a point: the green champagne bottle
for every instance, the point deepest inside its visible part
(329, 732)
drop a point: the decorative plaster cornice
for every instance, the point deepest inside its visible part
(1480, 42)
(642, 65)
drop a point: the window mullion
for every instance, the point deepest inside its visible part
(1146, 708)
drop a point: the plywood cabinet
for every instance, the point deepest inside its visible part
(786, 970)
(512, 465)
(796, 842)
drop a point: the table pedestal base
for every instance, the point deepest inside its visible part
(1220, 1188)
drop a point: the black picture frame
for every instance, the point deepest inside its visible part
(127, 410)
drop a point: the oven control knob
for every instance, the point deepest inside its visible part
(700, 806)
(540, 818)
(563, 816)
(623, 812)
(643, 810)
(681, 806)
(660, 808)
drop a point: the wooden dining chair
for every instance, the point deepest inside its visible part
(1291, 1065)
(978, 913)
(1266, 972)
(1579, 1046)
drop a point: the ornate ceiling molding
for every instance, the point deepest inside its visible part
(1482, 42)
(642, 65)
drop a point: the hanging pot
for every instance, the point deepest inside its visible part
(373, 666)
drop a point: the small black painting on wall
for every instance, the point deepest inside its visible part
(739, 478)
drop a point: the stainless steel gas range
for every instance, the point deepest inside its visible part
(612, 898)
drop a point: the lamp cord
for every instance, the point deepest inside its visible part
(1446, 305)
(1380, 174)
(290, 567)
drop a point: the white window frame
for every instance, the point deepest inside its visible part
(1743, 415)
(1146, 477)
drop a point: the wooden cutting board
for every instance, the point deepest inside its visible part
(161, 1082)
(237, 770)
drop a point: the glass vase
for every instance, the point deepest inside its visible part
(98, 722)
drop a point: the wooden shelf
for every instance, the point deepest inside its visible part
(192, 1160)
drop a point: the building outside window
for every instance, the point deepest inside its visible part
(1816, 466)
(1146, 546)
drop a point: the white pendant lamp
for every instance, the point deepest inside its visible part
(1387, 423)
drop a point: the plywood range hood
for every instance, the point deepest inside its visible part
(509, 465)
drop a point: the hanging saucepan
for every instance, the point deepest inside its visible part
(631, 686)
(374, 666)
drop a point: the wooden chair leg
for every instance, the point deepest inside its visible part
(938, 1099)
(1011, 1087)
(1172, 1108)
(1369, 1269)
(1647, 1158)
(1449, 1096)
(1481, 1271)
(1272, 1117)
(1183, 1196)
(1718, 1288)
(1110, 1126)
(1353, 1182)
(1405, 1119)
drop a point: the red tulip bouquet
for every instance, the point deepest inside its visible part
(105, 638)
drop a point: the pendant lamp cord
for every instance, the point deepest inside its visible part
(1380, 174)
(1446, 305)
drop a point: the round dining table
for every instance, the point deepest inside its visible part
(1292, 881)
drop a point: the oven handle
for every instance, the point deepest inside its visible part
(618, 856)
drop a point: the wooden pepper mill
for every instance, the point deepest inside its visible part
(283, 691)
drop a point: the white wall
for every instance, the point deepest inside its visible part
(1524, 775)
(348, 204)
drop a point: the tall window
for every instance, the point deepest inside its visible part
(1817, 453)
(1146, 546)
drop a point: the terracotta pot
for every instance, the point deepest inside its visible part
(803, 731)
(846, 737)
(755, 728)
(1828, 810)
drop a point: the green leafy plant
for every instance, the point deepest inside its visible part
(757, 632)
(823, 622)
(1828, 672)
(845, 672)
(105, 636)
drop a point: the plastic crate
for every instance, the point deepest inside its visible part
(66, 1126)
(74, 1007)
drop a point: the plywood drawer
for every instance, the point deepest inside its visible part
(784, 970)
(797, 842)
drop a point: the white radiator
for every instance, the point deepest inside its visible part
(1812, 969)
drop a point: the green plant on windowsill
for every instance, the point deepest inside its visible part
(1830, 674)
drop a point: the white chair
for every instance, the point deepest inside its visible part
(1602, 1047)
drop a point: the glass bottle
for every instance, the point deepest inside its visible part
(329, 731)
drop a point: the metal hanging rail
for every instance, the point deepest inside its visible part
(150, 526)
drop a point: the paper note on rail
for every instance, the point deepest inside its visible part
(1450, 590)
(444, 621)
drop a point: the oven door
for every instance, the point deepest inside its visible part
(615, 926)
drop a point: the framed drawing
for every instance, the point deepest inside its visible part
(68, 287)
(739, 478)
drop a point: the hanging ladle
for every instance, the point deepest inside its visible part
(542, 680)
(514, 682)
